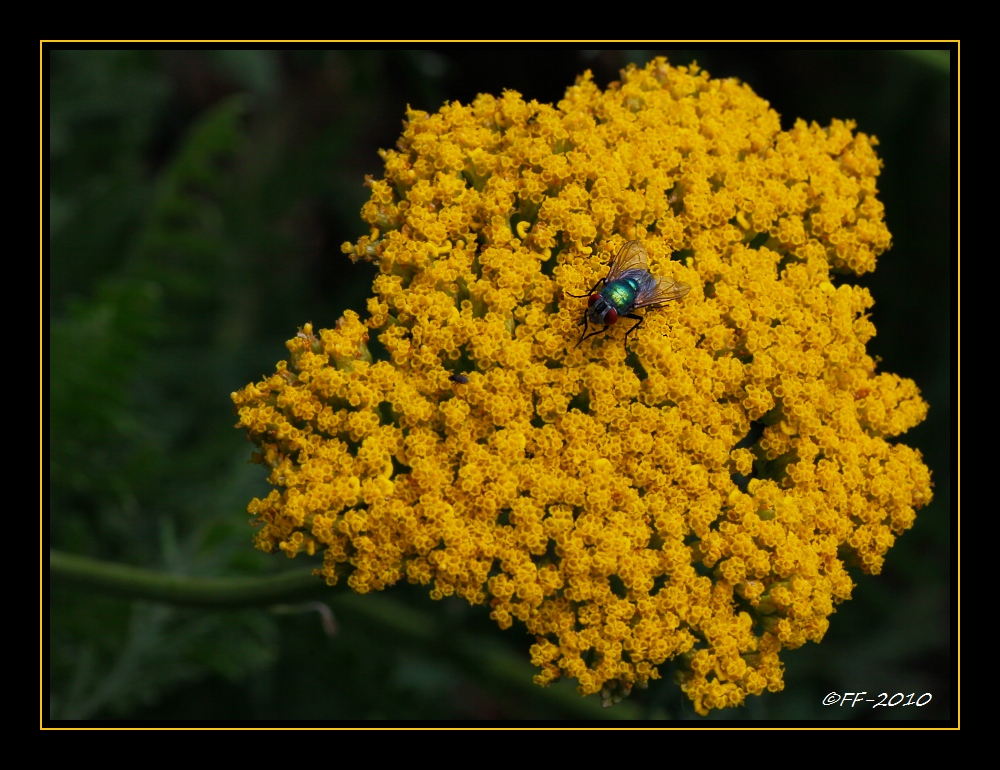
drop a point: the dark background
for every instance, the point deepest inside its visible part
(196, 205)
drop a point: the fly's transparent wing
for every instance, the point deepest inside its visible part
(656, 291)
(631, 256)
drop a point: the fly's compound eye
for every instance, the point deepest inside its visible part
(610, 316)
(593, 300)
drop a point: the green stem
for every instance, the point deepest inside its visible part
(933, 59)
(482, 657)
(136, 583)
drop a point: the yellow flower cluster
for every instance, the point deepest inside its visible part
(696, 494)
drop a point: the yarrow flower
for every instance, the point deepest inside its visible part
(694, 495)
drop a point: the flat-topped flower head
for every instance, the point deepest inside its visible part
(695, 495)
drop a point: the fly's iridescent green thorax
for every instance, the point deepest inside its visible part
(621, 294)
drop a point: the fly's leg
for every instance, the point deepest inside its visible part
(636, 325)
(638, 319)
(585, 325)
(586, 336)
(587, 295)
